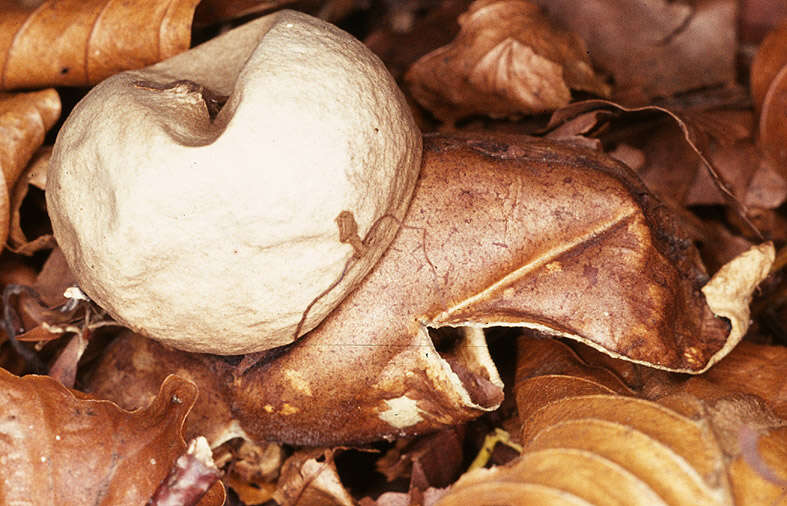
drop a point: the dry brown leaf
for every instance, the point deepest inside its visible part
(771, 57)
(700, 131)
(215, 11)
(61, 447)
(582, 447)
(507, 60)
(758, 18)
(439, 456)
(309, 478)
(406, 36)
(133, 366)
(497, 234)
(654, 48)
(35, 176)
(773, 126)
(81, 42)
(500, 232)
(24, 121)
(750, 368)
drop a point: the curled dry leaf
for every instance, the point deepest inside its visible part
(61, 447)
(769, 60)
(661, 49)
(24, 121)
(507, 60)
(501, 232)
(310, 478)
(77, 42)
(768, 76)
(773, 127)
(591, 446)
(35, 176)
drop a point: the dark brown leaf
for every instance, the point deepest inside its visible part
(700, 132)
(133, 366)
(771, 57)
(58, 447)
(654, 48)
(506, 61)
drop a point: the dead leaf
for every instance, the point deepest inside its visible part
(252, 470)
(190, 478)
(79, 42)
(729, 292)
(654, 48)
(24, 121)
(758, 18)
(132, 367)
(769, 60)
(309, 478)
(209, 12)
(606, 448)
(33, 176)
(439, 456)
(59, 447)
(407, 37)
(506, 61)
(700, 131)
(773, 127)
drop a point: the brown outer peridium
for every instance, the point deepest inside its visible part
(533, 234)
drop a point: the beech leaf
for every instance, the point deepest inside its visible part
(661, 49)
(507, 60)
(79, 42)
(603, 448)
(24, 121)
(62, 447)
(696, 135)
(310, 478)
(35, 176)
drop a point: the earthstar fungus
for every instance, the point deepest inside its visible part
(197, 200)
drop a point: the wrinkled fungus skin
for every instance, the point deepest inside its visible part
(197, 200)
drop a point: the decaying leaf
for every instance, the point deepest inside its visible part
(132, 368)
(61, 447)
(213, 11)
(78, 42)
(700, 131)
(24, 121)
(309, 478)
(507, 60)
(768, 76)
(773, 127)
(597, 447)
(34, 175)
(501, 232)
(767, 63)
(661, 48)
